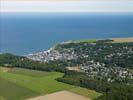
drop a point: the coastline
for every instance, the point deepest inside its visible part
(115, 40)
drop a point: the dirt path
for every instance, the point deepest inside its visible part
(63, 95)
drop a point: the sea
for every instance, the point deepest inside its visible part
(25, 33)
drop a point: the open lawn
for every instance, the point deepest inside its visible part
(18, 84)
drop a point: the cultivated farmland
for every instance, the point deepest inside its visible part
(19, 84)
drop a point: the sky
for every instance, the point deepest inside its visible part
(66, 6)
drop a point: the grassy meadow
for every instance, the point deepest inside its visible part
(19, 84)
(85, 40)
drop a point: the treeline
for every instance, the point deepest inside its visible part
(111, 91)
(10, 60)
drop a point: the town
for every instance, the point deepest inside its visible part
(101, 60)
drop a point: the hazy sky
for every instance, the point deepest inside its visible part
(66, 6)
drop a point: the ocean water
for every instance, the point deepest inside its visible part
(23, 33)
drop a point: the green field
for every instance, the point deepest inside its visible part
(18, 84)
(81, 41)
(29, 72)
(1, 98)
(85, 40)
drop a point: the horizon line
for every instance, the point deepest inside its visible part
(67, 6)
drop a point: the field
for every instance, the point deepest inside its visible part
(19, 84)
(85, 92)
(62, 95)
(81, 41)
(1, 98)
(121, 40)
(84, 40)
(116, 40)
